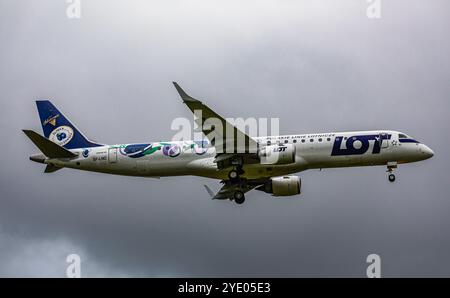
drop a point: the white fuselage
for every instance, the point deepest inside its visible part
(312, 151)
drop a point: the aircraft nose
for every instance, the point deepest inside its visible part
(427, 151)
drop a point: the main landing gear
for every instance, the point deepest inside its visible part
(234, 176)
(390, 169)
(239, 197)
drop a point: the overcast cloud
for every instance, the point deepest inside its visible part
(319, 66)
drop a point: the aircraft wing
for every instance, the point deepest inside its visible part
(209, 121)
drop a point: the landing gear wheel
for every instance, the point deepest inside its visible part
(391, 177)
(239, 197)
(233, 175)
(390, 169)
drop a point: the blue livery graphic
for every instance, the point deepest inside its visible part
(364, 141)
(138, 150)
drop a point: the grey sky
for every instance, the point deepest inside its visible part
(317, 65)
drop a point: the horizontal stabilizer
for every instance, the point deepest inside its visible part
(51, 168)
(47, 147)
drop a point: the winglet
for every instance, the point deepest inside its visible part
(186, 98)
(210, 192)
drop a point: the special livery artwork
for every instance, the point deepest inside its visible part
(168, 149)
(61, 135)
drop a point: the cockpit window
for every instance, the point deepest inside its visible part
(406, 139)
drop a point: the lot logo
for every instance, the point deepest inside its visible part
(358, 145)
(280, 149)
(61, 135)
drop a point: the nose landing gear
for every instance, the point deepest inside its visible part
(390, 169)
(391, 177)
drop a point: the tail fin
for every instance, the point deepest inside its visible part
(58, 129)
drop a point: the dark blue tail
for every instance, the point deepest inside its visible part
(58, 128)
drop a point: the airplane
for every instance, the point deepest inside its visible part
(269, 167)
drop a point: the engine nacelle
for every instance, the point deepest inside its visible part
(277, 154)
(283, 186)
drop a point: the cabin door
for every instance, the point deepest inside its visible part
(112, 155)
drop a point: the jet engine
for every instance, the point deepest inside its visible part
(277, 154)
(282, 186)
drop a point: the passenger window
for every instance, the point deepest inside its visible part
(268, 143)
(320, 139)
(295, 141)
(286, 141)
(311, 140)
(328, 139)
(303, 140)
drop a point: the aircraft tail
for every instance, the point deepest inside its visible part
(58, 129)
